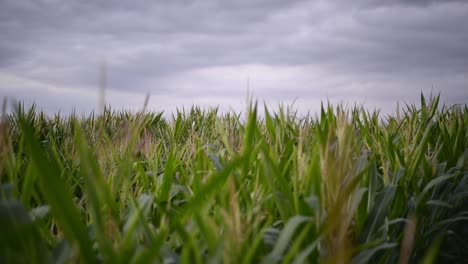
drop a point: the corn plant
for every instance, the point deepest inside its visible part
(345, 185)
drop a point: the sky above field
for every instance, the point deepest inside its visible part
(210, 53)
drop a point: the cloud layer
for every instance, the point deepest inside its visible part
(209, 52)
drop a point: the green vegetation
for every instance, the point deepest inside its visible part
(346, 186)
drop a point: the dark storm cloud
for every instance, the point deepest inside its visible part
(382, 49)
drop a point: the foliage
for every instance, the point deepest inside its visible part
(345, 186)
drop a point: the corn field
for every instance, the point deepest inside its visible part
(347, 185)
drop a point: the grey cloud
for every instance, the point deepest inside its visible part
(57, 28)
(384, 40)
(365, 4)
(117, 17)
(9, 54)
(149, 45)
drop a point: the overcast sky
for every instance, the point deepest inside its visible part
(211, 52)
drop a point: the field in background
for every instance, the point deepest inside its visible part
(346, 186)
